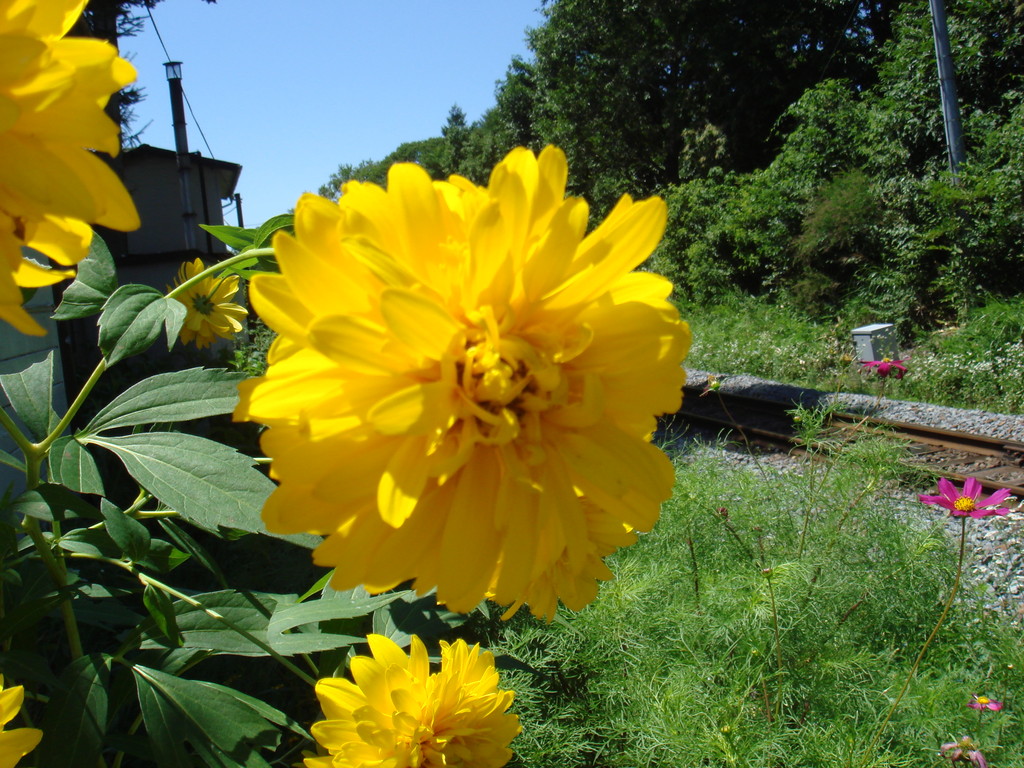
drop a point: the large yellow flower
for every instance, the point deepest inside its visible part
(208, 303)
(16, 743)
(464, 384)
(396, 714)
(52, 93)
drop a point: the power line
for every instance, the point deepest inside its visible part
(163, 45)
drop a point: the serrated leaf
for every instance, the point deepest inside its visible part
(76, 716)
(95, 281)
(165, 725)
(288, 617)
(209, 714)
(236, 238)
(208, 484)
(248, 611)
(128, 533)
(161, 610)
(132, 318)
(53, 502)
(73, 466)
(30, 393)
(194, 393)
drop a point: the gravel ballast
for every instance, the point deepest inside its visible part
(995, 563)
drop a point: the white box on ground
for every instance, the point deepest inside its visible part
(875, 341)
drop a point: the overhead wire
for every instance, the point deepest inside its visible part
(163, 45)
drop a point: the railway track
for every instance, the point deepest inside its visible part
(993, 462)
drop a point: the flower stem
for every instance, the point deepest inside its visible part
(924, 648)
(218, 267)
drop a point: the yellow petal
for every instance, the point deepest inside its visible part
(420, 322)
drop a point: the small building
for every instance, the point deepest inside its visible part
(152, 254)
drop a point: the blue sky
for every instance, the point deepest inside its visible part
(290, 90)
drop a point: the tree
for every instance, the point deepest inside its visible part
(623, 86)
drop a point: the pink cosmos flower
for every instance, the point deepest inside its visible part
(963, 751)
(966, 502)
(983, 702)
(885, 366)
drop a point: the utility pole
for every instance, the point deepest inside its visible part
(947, 89)
(188, 216)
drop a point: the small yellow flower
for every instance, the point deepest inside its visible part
(210, 311)
(16, 743)
(52, 93)
(397, 714)
(465, 383)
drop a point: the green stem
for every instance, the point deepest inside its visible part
(59, 576)
(924, 648)
(44, 446)
(218, 267)
(778, 643)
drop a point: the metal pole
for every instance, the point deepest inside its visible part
(947, 88)
(188, 216)
(238, 208)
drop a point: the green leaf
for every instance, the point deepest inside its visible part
(128, 533)
(30, 393)
(174, 318)
(27, 614)
(12, 461)
(269, 227)
(412, 615)
(95, 281)
(187, 544)
(95, 542)
(132, 319)
(73, 466)
(236, 238)
(161, 610)
(177, 396)
(326, 609)
(27, 665)
(208, 484)
(53, 502)
(165, 725)
(213, 718)
(248, 611)
(76, 716)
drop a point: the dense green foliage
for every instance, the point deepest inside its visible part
(801, 150)
(978, 363)
(767, 620)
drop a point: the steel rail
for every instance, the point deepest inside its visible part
(994, 462)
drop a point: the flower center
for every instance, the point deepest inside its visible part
(506, 386)
(964, 504)
(982, 699)
(202, 305)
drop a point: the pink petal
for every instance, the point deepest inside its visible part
(972, 488)
(994, 499)
(947, 489)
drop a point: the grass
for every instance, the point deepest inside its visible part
(978, 364)
(768, 620)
